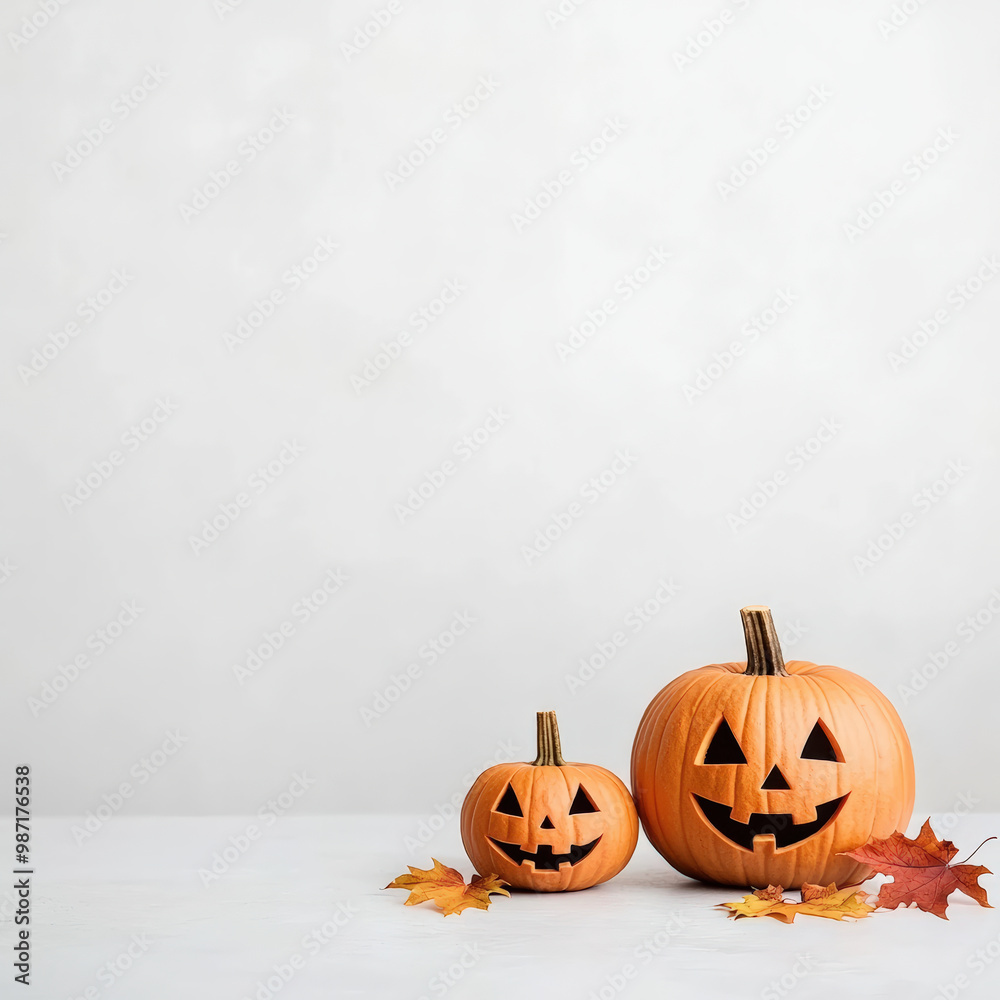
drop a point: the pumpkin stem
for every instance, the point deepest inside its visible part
(763, 649)
(549, 751)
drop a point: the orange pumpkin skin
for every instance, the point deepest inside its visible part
(545, 794)
(772, 718)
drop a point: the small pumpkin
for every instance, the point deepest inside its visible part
(761, 772)
(549, 825)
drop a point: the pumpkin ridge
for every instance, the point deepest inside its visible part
(875, 750)
(765, 683)
(564, 772)
(893, 720)
(693, 678)
(687, 743)
(829, 833)
(693, 681)
(674, 699)
(477, 801)
(571, 778)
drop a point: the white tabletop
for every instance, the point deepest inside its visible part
(305, 898)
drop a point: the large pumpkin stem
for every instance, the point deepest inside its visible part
(763, 649)
(549, 751)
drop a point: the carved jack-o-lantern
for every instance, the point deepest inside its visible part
(763, 771)
(549, 825)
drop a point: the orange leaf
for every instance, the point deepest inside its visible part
(811, 892)
(772, 892)
(446, 888)
(817, 901)
(921, 871)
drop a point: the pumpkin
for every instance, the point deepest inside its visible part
(548, 825)
(762, 772)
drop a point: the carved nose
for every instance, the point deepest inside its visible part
(547, 824)
(775, 779)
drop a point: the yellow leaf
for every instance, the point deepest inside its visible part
(446, 888)
(817, 901)
(755, 906)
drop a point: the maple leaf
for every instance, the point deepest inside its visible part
(817, 901)
(772, 892)
(921, 871)
(446, 888)
(840, 903)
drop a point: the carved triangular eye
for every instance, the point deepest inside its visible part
(724, 749)
(582, 803)
(819, 747)
(509, 805)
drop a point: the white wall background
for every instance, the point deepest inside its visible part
(857, 297)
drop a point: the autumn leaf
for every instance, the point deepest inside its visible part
(772, 892)
(817, 901)
(829, 901)
(446, 888)
(921, 871)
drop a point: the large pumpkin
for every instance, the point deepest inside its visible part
(549, 825)
(762, 772)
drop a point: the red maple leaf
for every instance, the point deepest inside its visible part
(921, 871)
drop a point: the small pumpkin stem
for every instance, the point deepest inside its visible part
(549, 751)
(763, 649)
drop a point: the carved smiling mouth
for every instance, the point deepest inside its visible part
(778, 825)
(543, 859)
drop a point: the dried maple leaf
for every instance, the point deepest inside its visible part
(817, 901)
(446, 888)
(921, 871)
(829, 901)
(772, 892)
